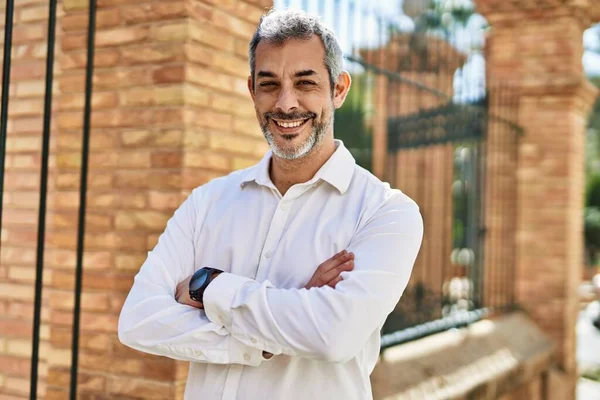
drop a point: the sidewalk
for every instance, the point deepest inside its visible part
(588, 352)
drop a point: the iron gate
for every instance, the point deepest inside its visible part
(423, 115)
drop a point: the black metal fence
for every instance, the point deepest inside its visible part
(449, 141)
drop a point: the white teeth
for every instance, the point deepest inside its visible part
(290, 124)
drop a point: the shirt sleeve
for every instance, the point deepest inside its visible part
(326, 323)
(152, 321)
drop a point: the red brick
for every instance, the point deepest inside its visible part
(130, 262)
(209, 160)
(27, 33)
(166, 201)
(169, 74)
(166, 159)
(199, 11)
(143, 388)
(146, 220)
(148, 12)
(156, 369)
(14, 366)
(121, 36)
(73, 42)
(103, 58)
(152, 54)
(34, 14)
(15, 328)
(78, 22)
(147, 180)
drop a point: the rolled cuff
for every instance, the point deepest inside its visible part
(219, 296)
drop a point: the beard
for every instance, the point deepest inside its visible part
(294, 152)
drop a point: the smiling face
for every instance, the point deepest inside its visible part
(292, 96)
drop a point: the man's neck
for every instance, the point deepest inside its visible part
(287, 173)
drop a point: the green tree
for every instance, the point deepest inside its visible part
(591, 213)
(351, 120)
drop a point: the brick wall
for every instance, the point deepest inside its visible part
(170, 112)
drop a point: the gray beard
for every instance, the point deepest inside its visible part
(314, 140)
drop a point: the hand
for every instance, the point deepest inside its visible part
(182, 294)
(328, 273)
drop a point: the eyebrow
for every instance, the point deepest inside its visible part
(269, 74)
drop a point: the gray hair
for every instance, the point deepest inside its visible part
(279, 26)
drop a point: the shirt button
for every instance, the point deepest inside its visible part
(253, 340)
(283, 206)
(268, 254)
(246, 356)
(221, 318)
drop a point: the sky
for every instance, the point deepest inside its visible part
(364, 30)
(591, 59)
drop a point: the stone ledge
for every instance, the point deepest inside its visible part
(484, 361)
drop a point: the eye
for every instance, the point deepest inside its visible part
(304, 83)
(266, 84)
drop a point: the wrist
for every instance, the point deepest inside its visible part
(214, 275)
(200, 281)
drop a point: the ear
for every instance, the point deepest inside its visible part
(250, 89)
(341, 89)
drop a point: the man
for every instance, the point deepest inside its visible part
(272, 320)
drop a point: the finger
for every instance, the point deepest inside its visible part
(335, 272)
(335, 281)
(333, 263)
(327, 263)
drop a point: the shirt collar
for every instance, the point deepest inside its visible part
(337, 171)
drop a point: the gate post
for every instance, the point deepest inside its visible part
(541, 53)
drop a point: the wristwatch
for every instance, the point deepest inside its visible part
(200, 281)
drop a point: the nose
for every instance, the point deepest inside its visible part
(286, 101)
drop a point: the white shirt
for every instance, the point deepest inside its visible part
(325, 341)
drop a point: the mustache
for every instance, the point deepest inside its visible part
(289, 117)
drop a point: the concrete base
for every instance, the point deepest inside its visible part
(508, 358)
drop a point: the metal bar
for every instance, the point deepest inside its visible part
(393, 110)
(516, 143)
(396, 76)
(502, 200)
(82, 195)
(8, 28)
(457, 320)
(481, 230)
(43, 194)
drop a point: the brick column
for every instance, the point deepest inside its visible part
(170, 112)
(380, 133)
(500, 194)
(542, 52)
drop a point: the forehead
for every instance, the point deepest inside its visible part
(291, 56)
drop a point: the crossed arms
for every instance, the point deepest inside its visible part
(243, 317)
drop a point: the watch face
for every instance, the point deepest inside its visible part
(198, 279)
